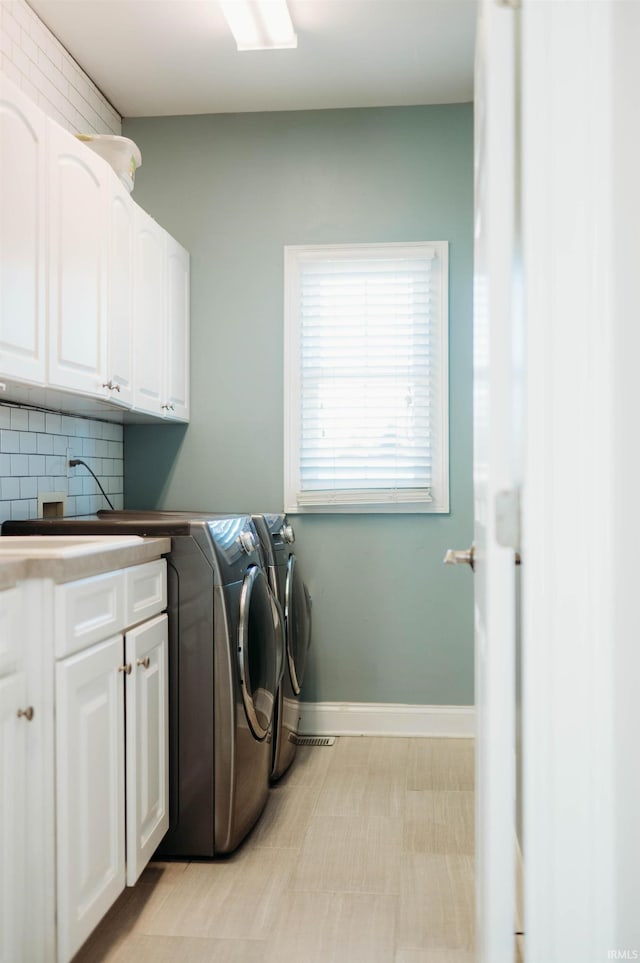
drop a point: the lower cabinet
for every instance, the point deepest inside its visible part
(13, 751)
(147, 740)
(83, 751)
(90, 841)
(15, 747)
(111, 814)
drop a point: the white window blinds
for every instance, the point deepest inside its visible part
(366, 365)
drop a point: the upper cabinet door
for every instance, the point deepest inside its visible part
(149, 314)
(22, 237)
(177, 334)
(120, 295)
(78, 231)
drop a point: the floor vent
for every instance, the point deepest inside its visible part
(314, 740)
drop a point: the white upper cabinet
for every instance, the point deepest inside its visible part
(78, 231)
(94, 294)
(22, 237)
(149, 314)
(161, 322)
(119, 384)
(177, 332)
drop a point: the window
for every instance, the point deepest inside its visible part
(366, 416)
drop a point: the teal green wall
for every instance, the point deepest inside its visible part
(391, 624)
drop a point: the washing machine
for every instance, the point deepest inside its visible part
(225, 668)
(277, 540)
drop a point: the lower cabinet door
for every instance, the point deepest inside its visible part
(90, 829)
(146, 650)
(13, 751)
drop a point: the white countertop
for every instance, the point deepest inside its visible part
(64, 558)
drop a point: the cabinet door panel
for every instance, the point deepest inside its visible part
(13, 751)
(149, 314)
(11, 643)
(147, 743)
(77, 265)
(90, 789)
(120, 286)
(22, 237)
(145, 591)
(177, 336)
(88, 610)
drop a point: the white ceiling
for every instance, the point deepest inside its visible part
(153, 57)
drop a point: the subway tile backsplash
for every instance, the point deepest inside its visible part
(34, 59)
(35, 448)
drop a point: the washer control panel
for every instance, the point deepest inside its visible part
(287, 534)
(247, 542)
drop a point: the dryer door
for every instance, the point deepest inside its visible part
(297, 623)
(259, 650)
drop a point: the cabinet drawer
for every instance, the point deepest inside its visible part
(88, 611)
(146, 591)
(10, 635)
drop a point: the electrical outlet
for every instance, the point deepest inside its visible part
(70, 471)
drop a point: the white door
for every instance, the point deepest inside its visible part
(177, 335)
(13, 802)
(90, 830)
(149, 314)
(22, 237)
(78, 229)
(120, 295)
(496, 478)
(581, 521)
(146, 650)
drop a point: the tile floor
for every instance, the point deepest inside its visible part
(364, 854)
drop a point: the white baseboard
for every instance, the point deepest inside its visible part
(382, 719)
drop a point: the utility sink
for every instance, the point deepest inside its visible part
(62, 546)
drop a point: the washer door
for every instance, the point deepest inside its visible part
(297, 623)
(259, 651)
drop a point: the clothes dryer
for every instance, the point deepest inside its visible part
(225, 666)
(277, 539)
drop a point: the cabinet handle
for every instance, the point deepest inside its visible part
(111, 385)
(26, 713)
(145, 662)
(168, 407)
(126, 668)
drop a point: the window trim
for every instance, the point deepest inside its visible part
(294, 255)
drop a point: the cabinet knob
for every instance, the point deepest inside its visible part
(126, 668)
(144, 662)
(26, 713)
(111, 385)
(168, 407)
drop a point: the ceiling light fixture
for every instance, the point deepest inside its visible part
(260, 24)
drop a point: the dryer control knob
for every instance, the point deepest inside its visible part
(247, 542)
(287, 534)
